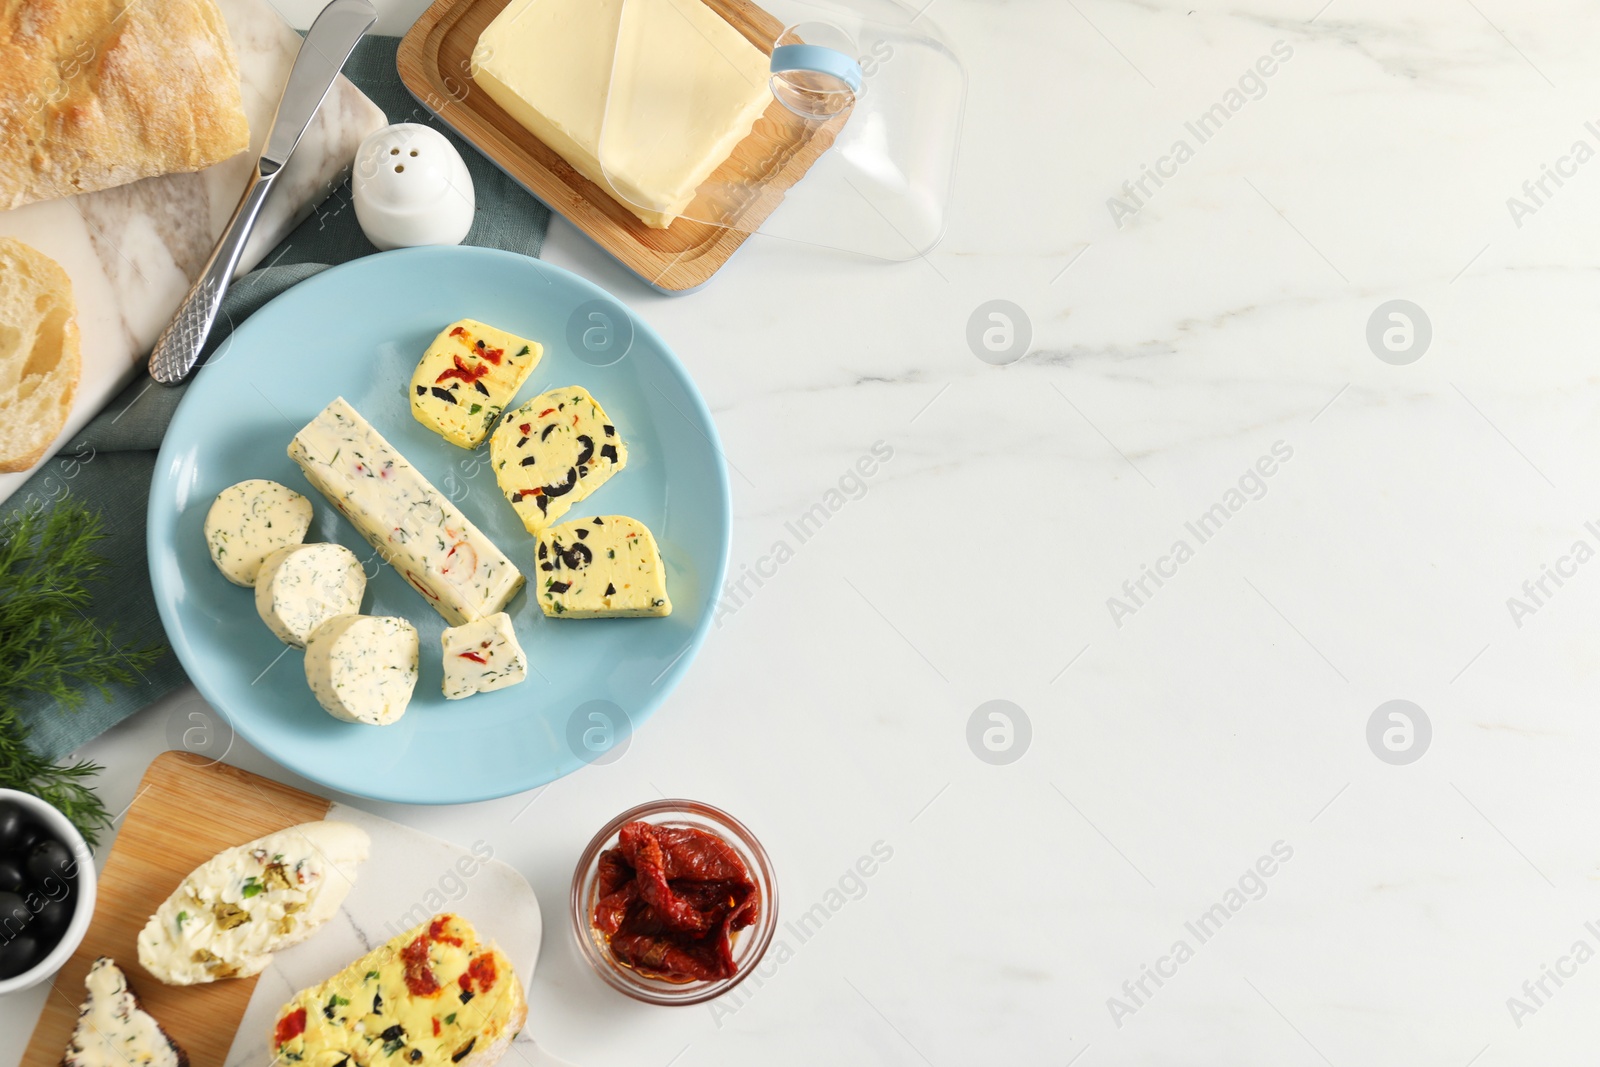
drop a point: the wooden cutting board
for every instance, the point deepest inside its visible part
(187, 810)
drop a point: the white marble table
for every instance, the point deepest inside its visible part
(1177, 739)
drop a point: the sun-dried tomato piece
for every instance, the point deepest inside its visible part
(692, 961)
(420, 978)
(670, 898)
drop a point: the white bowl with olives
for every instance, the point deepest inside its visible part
(47, 884)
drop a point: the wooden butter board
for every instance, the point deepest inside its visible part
(435, 63)
(188, 809)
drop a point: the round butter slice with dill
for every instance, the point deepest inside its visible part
(247, 902)
(251, 520)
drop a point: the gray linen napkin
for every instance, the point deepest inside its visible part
(110, 463)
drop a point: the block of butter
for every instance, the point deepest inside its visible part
(687, 89)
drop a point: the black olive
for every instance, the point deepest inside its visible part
(14, 914)
(581, 532)
(587, 452)
(394, 1033)
(611, 590)
(564, 487)
(546, 432)
(11, 875)
(608, 452)
(18, 955)
(50, 859)
(577, 557)
(54, 917)
(11, 823)
(443, 394)
(528, 461)
(32, 834)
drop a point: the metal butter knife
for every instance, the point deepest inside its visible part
(328, 44)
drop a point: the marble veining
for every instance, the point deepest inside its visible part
(133, 250)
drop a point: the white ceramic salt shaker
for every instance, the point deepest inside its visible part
(412, 188)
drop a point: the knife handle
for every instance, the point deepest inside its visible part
(177, 350)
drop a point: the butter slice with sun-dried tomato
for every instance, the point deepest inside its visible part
(433, 997)
(467, 377)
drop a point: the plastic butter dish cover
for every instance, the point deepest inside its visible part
(865, 91)
(713, 109)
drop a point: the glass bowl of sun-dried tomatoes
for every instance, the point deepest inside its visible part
(674, 902)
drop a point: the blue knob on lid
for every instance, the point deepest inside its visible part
(816, 59)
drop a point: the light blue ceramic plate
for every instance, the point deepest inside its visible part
(357, 331)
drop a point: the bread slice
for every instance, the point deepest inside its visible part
(97, 93)
(247, 902)
(113, 1028)
(435, 996)
(39, 359)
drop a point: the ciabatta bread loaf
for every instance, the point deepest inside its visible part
(38, 353)
(96, 93)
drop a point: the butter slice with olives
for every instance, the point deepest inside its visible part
(436, 996)
(607, 567)
(467, 377)
(554, 451)
(482, 656)
(233, 911)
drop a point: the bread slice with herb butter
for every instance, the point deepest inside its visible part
(435, 996)
(114, 1030)
(239, 907)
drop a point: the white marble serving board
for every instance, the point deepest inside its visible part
(408, 877)
(133, 251)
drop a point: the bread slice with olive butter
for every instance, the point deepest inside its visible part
(435, 996)
(113, 1028)
(242, 905)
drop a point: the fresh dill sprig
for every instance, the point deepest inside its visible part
(49, 646)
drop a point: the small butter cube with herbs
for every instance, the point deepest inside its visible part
(467, 377)
(607, 567)
(482, 656)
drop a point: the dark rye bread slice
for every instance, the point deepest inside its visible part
(114, 1029)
